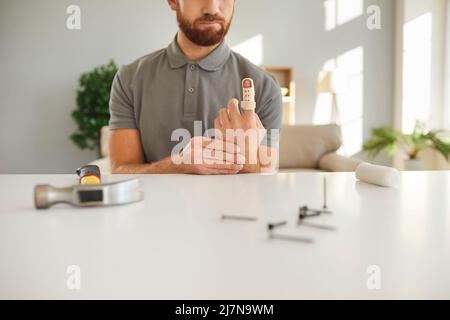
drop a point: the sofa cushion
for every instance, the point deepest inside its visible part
(302, 146)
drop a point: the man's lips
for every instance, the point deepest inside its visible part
(209, 22)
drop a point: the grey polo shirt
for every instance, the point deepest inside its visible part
(164, 91)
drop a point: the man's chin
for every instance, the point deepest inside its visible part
(208, 39)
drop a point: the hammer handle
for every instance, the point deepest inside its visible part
(46, 196)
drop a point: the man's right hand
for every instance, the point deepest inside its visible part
(209, 157)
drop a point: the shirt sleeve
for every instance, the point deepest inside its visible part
(271, 113)
(122, 115)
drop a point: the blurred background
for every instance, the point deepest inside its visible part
(377, 68)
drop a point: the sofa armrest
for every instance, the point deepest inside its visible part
(337, 163)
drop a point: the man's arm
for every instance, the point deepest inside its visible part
(126, 150)
(127, 157)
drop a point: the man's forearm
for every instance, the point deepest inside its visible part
(266, 163)
(164, 166)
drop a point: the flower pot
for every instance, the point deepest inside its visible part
(413, 165)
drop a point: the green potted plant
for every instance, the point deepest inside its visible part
(410, 144)
(92, 112)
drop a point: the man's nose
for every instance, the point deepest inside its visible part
(211, 7)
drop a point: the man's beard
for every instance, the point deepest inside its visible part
(205, 38)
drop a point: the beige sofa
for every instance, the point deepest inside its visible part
(302, 148)
(313, 148)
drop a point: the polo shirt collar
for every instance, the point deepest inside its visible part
(212, 62)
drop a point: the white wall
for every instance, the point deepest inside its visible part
(41, 61)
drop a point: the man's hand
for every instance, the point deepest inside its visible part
(209, 157)
(231, 118)
(201, 156)
(244, 130)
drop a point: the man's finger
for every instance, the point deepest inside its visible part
(216, 160)
(228, 167)
(224, 145)
(249, 116)
(233, 110)
(224, 118)
(205, 142)
(208, 171)
(249, 113)
(218, 124)
(258, 122)
(203, 170)
(221, 157)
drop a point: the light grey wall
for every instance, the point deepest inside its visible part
(41, 61)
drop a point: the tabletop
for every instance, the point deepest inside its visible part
(378, 243)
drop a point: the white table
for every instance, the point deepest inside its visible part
(174, 245)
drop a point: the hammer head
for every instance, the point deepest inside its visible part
(115, 193)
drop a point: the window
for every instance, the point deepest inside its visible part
(350, 102)
(339, 12)
(416, 105)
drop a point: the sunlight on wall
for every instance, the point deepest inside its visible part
(323, 109)
(417, 71)
(252, 49)
(339, 12)
(350, 102)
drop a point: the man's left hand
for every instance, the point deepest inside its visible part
(245, 129)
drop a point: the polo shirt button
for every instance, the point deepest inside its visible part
(192, 67)
(191, 90)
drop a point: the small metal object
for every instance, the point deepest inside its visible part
(242, 218)
(115, 193)
(272, 226)
(318, 226)
(305, 212)
(290, 238)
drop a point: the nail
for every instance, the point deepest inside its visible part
(272, 226)
(291, 238)
(318, 226)
(243, 218)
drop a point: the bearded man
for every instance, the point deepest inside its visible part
(182, 89)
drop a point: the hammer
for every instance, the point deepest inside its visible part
(115, 193)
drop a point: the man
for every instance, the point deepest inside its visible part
(184, 86)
